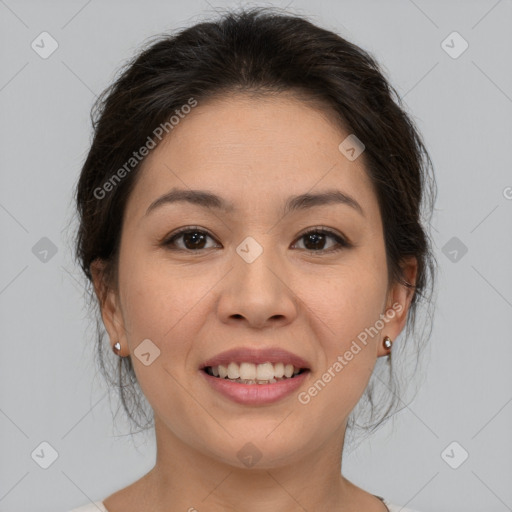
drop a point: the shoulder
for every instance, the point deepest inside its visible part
(397, 508)
(96, 506)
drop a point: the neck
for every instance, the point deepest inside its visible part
(185, 478)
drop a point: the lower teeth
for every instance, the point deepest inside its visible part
(247, 381)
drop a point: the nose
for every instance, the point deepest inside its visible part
(258, 293)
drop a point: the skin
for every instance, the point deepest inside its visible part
(194, 304)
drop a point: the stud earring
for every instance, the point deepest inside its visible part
(117, 348)
(388, 342)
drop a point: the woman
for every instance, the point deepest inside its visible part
(250, 221)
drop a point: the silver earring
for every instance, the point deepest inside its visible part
(387, 342)
(117, 348)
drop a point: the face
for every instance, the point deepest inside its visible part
(308, 280)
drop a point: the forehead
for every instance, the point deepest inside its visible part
(254, 152)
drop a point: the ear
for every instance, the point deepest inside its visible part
(398, 301)
(108, 299)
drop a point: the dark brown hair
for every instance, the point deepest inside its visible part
(261, 52)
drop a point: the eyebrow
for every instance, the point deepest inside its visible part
(211, 201)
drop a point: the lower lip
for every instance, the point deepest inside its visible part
(255, 394)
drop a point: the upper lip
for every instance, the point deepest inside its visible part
(256, 356)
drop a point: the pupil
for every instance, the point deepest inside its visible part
(195, 237)
(316, 238)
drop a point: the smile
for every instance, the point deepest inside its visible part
(269, 386)
(250, 373)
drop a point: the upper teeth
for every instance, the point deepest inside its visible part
(250, 371)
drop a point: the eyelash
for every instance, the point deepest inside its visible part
(342, 242)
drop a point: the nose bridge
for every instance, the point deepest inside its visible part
(250, 249)
(257, 264)
(256, 288)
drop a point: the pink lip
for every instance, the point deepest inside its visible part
(255, 394)
(256, 356)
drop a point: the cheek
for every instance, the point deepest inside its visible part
(161, 305)
(344, 311)
(156, 300)
(343, 303)
(349, 355)
(158, 307)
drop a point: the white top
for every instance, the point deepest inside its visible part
(92, 507)
(98, 506)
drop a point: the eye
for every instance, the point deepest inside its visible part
(193, 239)
(315, 240)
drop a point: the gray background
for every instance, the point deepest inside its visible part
(50, 389)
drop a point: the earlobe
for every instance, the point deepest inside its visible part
(398, 305)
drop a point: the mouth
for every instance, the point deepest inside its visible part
(266, 388)
(255, 376)
(247, 365)
(250, 373)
